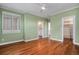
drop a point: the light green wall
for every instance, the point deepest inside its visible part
(56, 24)
(56, 27)
(28, 28)
(0, 24)
(11, 36)
(46, 27)
(77, 26)
(31, 26)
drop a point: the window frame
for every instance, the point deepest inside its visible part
(11, 31)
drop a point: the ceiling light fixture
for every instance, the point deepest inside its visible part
(43, 8)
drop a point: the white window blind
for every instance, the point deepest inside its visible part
(11, 22)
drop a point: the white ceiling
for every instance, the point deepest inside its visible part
(35, 8)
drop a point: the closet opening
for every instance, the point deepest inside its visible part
(69, 29)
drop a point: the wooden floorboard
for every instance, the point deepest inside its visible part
(40, 47)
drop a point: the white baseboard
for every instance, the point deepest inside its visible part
(56, 39)
(30, 39)
(34, 39)
(26, 40)
(18, 41)
(76, 43)
(45, 36)
(11, 42)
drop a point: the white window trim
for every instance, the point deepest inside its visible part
(10, 31)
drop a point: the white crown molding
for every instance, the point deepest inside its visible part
(12, 9)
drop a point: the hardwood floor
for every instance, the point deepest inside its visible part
(40, 47)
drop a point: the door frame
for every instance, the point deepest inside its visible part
(73, 28)
(38, 29)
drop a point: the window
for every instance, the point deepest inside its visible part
(10, 22)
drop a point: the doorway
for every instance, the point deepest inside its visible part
(40, 29)
(68, 28)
